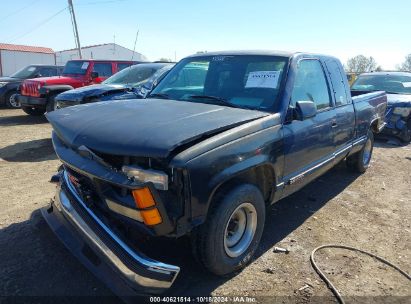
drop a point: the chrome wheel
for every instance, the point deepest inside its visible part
(367, 152)
(240, 230)
(13, 101)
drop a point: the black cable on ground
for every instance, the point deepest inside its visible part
(328, 282)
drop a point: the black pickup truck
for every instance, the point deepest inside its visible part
(202, 157)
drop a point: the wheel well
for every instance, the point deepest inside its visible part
(374, 125)
(262, 177)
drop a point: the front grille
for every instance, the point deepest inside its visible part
(30, 88)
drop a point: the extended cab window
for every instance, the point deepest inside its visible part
(103, 69)
(310, 84)
(245, 81)
(336, 76)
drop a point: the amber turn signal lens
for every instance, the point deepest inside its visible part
(151, 217)
(143, 198)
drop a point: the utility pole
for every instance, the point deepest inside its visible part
(73, 21)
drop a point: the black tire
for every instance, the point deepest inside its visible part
(11, 100)
(406, 133)
(360, 161)
(51, 103)
(209, 240)
(33, 111)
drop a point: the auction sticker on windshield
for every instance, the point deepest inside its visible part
(84, 66)
(263, 79)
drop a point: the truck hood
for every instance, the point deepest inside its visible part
(150, 127)
(10, 79)
(399, 100)
(96, 90)
(55, 80)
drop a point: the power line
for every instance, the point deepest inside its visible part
(17, 37)
(17, 11)
(100, 2)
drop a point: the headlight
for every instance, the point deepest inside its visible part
(2, 84)
(404, 112)
(158, 178)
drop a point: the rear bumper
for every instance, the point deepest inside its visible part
(122, 268)
(31, 101)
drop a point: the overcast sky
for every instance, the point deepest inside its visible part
(169, 28)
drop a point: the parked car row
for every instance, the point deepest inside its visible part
(398, 88)
(131, 83)
(37, 96)
(9, 85)
(221, 137)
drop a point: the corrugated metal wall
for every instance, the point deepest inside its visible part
(12, 61)
(108, 52)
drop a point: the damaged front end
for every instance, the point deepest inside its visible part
(398, 120)
(95, 207)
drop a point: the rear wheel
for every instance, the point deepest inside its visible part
(11, 100)
(228, 239)
(361, 160)
(33, 111)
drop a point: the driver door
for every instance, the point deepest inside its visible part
(309, 143)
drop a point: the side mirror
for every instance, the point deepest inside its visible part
(94, 75)
(305, 110)
(37, 75)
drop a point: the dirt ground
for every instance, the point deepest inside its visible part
(370, 211)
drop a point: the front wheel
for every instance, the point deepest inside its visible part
(406, 132)
(361, 160)
(228, 239)
(11, 100)
(33, 111)
(51, 103)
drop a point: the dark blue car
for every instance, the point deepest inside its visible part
(134, 82)
(398, 88)
(223, 136)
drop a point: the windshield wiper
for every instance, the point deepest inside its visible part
(220, 100)
(159, 95)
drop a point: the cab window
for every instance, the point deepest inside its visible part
(338, 83)
(311, 85)
(103, 69)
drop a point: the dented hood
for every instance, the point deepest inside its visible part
(150, 127)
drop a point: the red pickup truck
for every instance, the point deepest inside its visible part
(37, 95)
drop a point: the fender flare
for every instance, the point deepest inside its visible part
(237, 169)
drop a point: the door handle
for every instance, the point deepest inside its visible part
(334, 124)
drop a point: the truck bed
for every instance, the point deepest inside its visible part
(369, 110)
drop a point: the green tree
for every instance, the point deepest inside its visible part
(361, 64)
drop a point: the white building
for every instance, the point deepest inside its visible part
(109, 51)
(15, 57)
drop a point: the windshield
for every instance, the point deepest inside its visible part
(76, 67)
(157, 76)
(24, 73)
(134, 75)
(397, 84)
(237, 80)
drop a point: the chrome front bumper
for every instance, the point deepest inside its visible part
(126, 271)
